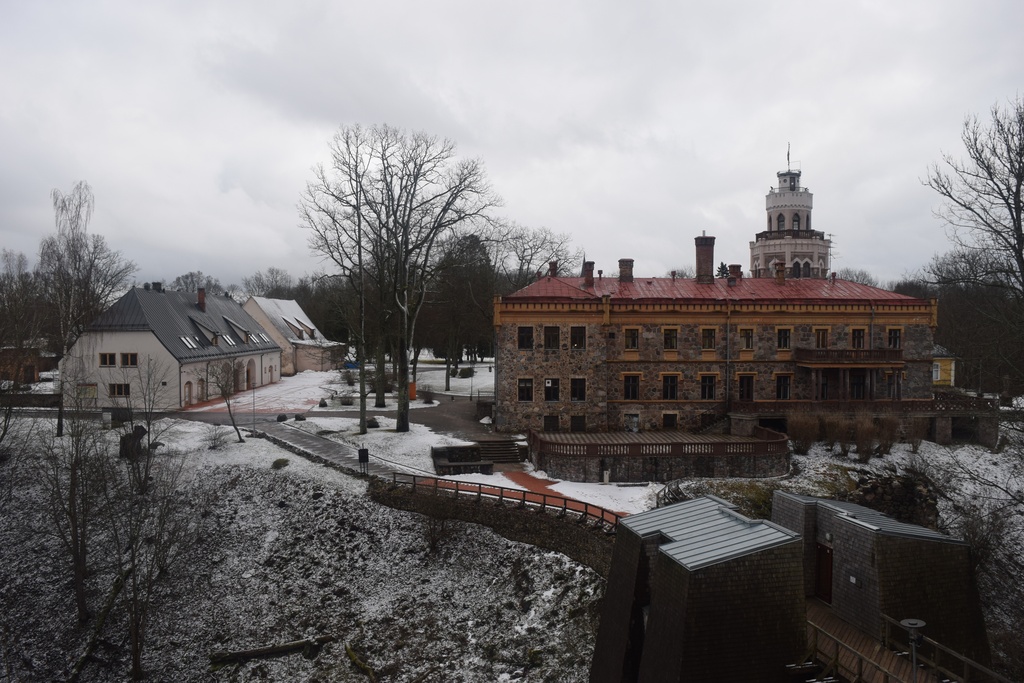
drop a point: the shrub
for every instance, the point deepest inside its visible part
(346, 400)
(864, 437)
(426, 393)
(349, 377)
(917, 430)
(802, 430)
(888, 432)
(216, 437)
(466, 373)
(844, 435)
(831, 426)
(279, 463)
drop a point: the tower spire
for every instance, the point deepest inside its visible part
(788, 167)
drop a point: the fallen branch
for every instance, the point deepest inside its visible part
(310, 648)
(363, 666)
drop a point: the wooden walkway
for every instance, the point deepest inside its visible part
(852, 655)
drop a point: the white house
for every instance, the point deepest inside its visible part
(303, 347)
(166, 350)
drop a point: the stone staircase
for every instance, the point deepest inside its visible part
(499, 450)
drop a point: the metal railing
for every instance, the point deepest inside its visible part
(944, 663)
(848, 355)
(832, 652)
(770, 443)
(500, 494)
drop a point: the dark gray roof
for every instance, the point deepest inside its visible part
(874, 520)
(170, 316)
(707, 531)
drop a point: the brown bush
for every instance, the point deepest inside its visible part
(864, 437)
(888, 431)
(917, 430)
(802, 430)
(830, 429)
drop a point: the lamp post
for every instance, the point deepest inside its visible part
(912, 626)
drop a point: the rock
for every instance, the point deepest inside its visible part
(282, 417)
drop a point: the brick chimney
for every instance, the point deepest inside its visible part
(625, 270)
(780, 273)
(588, 273)
(201, 299)
(552, 268)
(705, 259)
(735, 270)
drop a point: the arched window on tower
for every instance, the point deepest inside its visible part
(796, 269)
(780, 223)
(796, 221)
(807, 269)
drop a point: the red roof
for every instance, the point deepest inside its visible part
(668, 289)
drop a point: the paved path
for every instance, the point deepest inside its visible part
(319, 449)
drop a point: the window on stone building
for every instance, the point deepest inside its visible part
(119, 390)
(577, 423)
(821, 338)
(796, 221)
(857, 338)
(670, 387)
(631, 387)
(746, 387)
(552, 338)
(895, 338)
(526, 337)
(782, 388)
(550, 423)
(551, 390)
(707, 339)
(108, 360)
(129, 360)
(578, 389)
(670, 421)
(525, 389)
(707, 387)
(780, 222)
(782, 338)
(631, 338)
(578, 337)
(746, 339)
(671, 338)
(807, 269)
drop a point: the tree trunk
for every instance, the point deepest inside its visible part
(231, 416)
(380, 379)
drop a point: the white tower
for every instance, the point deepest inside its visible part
(789, 238)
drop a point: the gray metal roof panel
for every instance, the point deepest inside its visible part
(707, 531)
(875, 520)
(173, 315)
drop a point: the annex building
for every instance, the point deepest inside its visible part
(628, 353)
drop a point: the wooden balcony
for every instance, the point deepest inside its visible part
(846, 357)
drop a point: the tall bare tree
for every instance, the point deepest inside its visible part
(274, 283)
(224, 378)
(21, 309)
(519, 253)
(393, 194)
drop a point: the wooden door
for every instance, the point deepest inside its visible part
(823, 580)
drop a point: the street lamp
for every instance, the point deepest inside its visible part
(912, 626)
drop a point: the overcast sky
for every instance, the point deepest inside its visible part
(631, 126)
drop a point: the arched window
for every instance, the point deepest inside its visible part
(796, 221)
(780, 223)
(807, 269)
(796, 269)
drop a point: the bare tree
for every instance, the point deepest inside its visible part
(20, 316)
(858, 275)
(149, 529)
(195, 280)
(79, 273)
(70, 467)
(393, 194)
(274, 283)
(519, 253)
(683, 273)
(224, 379)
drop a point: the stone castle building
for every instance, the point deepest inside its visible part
(595, 354)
